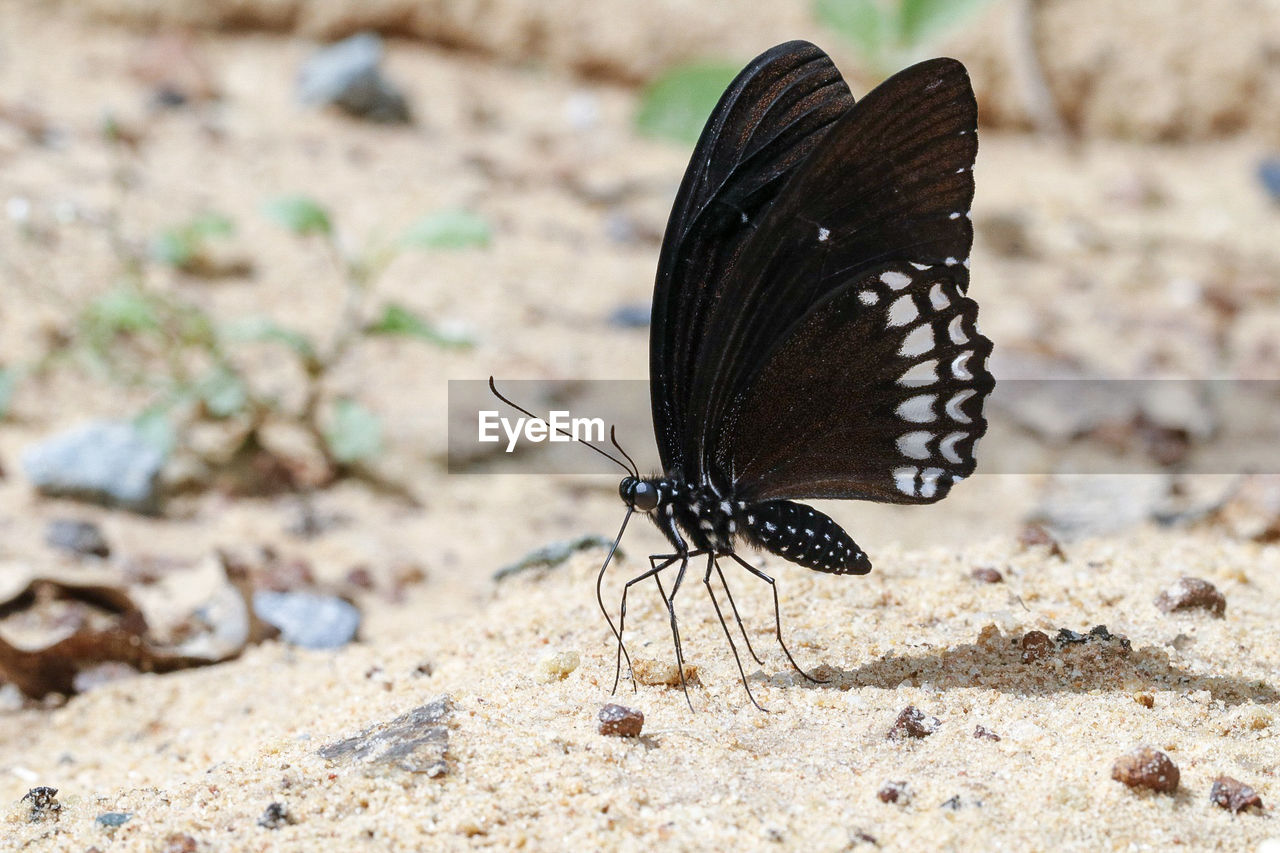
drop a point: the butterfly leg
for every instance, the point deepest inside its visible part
(777, 615)
(654, 568)
(706, 581)
(671, 609)
(729, 595)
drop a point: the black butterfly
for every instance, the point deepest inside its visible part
(811, 337)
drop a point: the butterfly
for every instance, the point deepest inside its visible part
(810, 336)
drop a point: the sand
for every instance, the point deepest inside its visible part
(1121, 258)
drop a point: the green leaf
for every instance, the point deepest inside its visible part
(448, 229)
(354, 433)
(923, 20)
(156, 429)
(677, 104)
(8, 384)
(180, 247)
(398, 320)
(266, 330)
(867, 24)
(122, 310)
(223, 392)
(300, 214)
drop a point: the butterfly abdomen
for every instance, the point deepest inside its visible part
(805, 536)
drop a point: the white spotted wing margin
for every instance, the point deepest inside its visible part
(877, 393)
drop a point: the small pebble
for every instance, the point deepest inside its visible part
(1269, 176)
(1233, 795)
(79, 537)
(983, 733)
(1192, 594)
(348, 75)
(986, 574)
(307, 619)
(179, 842)
(913, 722)
(1035, 646)
(1146, 767)
(1067, 637)
(895, 792)
(106, 462)
(111, 820)
(1037, 534)
(275, 816)
(620, 721)
(1146, 700)
(557, 666)
(634, 316)
(44, 803)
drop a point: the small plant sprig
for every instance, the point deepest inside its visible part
(890, 34)
(144, 336)
(887, 34)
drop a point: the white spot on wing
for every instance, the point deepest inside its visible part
(948, 447)
(918, 409)
(955, 214)
(960, 367)
(929, 482)
(957, 333)
(905, 479)
(920, 266)
(918, 341)
(920, 373)
(868, 297)
(896, 280)
(902, 311)
(937, 298)
(823, 234)
(953, 406)
(950, 261)
(915, 444)
(965, 263)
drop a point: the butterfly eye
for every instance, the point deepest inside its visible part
(644, 496)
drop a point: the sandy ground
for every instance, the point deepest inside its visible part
(1117, 258)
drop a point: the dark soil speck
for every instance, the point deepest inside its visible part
(1233, 795)
(1149, 768)
(1192, 594)
(620, 721)
(913, 722)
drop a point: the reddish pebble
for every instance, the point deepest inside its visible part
(1146, 767)
(986, 574)
(1036, 534)
(620, 721)
(1233, 795)
(1192, 594)
(1035, 645)
(913, 722)
(894, 792)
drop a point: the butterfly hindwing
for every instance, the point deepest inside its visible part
(876, 394)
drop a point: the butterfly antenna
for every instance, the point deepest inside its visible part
(522, 409)
(613, 436)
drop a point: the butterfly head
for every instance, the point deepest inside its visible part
(639, 494)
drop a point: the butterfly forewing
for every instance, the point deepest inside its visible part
(890, 182)
(771, 119)
(876, 394)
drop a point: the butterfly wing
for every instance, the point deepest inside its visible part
(771, 119)
(877, 394)
(886, 186)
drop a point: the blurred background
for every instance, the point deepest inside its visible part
(245, 243)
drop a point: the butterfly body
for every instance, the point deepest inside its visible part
(702, 519)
